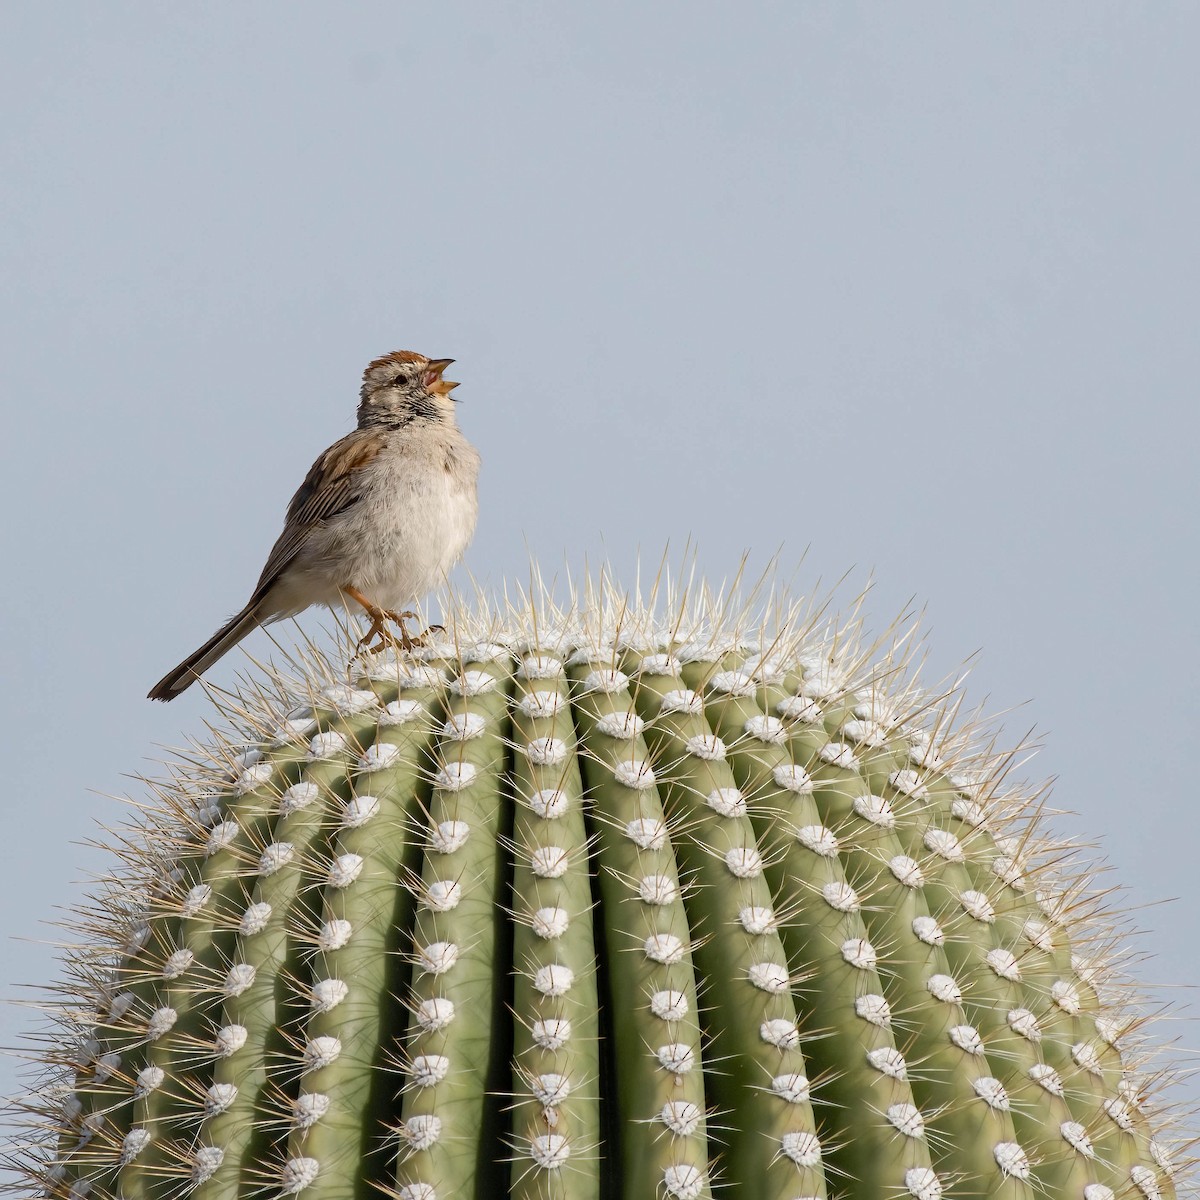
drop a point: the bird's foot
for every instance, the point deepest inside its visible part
(378, 633)
(411, 641)
(398, 619)
(379, 637)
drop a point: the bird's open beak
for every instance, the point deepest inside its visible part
(433, 376)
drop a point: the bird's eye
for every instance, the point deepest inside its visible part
(400, 380)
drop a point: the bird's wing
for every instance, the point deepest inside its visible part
(332, 485)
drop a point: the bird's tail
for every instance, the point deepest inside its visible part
(196, 663)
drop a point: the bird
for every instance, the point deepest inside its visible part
(379, 520)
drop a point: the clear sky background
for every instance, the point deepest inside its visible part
(910, 286)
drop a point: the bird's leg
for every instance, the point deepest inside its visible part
(378, 628)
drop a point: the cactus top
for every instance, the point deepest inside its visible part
(598, 903)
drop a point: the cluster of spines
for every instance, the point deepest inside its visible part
(827, 969)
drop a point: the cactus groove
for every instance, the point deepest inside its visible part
(591, 903)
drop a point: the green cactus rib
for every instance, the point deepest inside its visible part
(454, 973)
(556, 1076)
(653, 1006)
(580, 907)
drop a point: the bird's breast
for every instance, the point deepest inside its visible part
(413, 523)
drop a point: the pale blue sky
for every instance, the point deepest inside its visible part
(910, 285)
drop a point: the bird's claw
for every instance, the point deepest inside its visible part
(379, 637)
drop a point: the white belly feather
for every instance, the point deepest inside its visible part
(412, 523)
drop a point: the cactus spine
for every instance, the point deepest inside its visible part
(590, 904)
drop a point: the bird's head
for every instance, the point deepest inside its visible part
(405, 386)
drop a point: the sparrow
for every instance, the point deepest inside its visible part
(380, 518)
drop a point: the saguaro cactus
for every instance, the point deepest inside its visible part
(594, 903)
